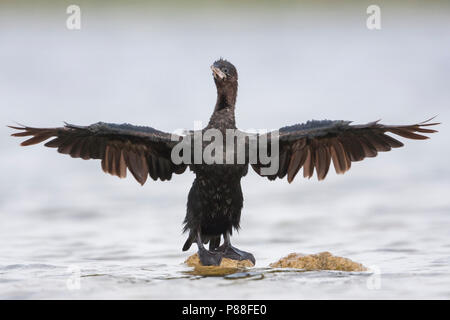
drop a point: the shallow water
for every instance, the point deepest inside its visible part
(69, 231)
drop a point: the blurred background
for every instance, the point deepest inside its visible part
(147, 63)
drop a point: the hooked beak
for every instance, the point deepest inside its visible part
(218, 73)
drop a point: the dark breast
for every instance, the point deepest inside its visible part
(215, 199)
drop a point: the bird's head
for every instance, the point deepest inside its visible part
(224, 72)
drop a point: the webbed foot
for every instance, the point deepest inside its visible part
(210, 258)
(234, 253)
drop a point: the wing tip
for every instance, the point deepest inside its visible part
(428, 120)
(18, 126)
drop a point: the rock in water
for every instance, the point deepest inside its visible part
(227, 266)
(320, 261)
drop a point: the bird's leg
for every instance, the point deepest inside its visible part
(232, 252)
(207, 258)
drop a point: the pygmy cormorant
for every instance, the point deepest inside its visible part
(215, 199)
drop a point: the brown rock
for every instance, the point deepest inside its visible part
(320, 261)
(227, 266)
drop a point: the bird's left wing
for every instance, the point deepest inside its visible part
(143, 150)
(314, 144)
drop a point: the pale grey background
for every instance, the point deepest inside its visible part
(149, 65)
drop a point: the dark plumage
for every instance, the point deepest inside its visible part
(215, 200)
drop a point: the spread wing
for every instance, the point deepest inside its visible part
(315, 144)
(143, 150)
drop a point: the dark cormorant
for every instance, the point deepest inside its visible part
(215, 199)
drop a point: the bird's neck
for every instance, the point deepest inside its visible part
(223, 115)
(226, 97)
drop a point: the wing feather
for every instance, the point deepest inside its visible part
(297, 161)
(142, 150)
(308, 167)
(316, 143)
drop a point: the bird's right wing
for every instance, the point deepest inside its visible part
(143, 150)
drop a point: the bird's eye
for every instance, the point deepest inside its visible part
(225, 70)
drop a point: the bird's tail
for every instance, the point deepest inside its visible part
(189, 242)
(214, 242)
